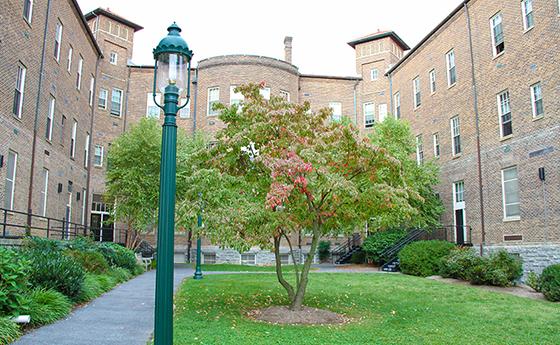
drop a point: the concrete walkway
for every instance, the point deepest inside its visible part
(124, 315)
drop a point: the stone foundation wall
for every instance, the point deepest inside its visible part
(231, 256)
(535, 257)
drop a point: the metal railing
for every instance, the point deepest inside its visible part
(18, 225)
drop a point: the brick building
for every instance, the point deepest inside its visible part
(479, 92)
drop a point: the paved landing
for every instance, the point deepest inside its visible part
(124, 315)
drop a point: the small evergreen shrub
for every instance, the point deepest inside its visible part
(423, 258)
(358, 257)
(46, 306)
(534, 281)
(458, 263)
(324, 250)
(14, 271)
(105, 281)
(118, 256)
(380, 241)
(550, 283)
(9, 331)
(91, 289)
(119, 274)
(499, 269)
(91, 261)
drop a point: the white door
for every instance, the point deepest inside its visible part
(459, 218)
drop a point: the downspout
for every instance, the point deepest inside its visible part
(355, 104)
(390, 76)
(36, 123)
(195, 96)
(477, 117)
(126, 101)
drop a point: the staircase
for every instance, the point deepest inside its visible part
(390, 259)
(345, 251)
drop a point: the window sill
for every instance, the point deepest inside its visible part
(498, 55)
(457, 156)
(116, 116)
(98, 166)
(506, 137)
(17, 118)
(537, 118)
(417, 107)
(529, 29)
(511, 219)
(49, 141)
(451, 86)
(28, 23)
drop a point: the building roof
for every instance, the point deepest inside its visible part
(425, 39)
(378, 35)
(107, 13)
(317, 76)
(86, 27)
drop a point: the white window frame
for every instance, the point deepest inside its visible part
(185, 113)
(534, 100)
(211, 101)
(455, 123)
(113, 58)
(397, 100)
(382, 112)
(120, 92)
(459, 194)
(265, 93)
(58, 41)
(336, 115)
(451, 68)
(28, 5)
(503, 106)
(79, 74)
(374, 74)
(151, 105)
(248, 262)
(95, 155)
(45, 192)
(86, 151)
(285, 94)
(505, 202)
(73, 139)
(235, 97)
(371, 115)
(11, 180)
(69, 60)
(437, 148)
(419, 149)
(432, 81)
(19, 90)
(50, 119)
(91, 89)
(524, 11)
(493, 26)
(102, 92)
(84, 192)
(417, 95)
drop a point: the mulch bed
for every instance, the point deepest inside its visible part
(306, 316)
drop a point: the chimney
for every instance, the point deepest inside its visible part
(288, 49)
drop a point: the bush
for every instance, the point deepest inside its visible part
(380, 241)
(90, 289)
(55, 270)
(43, 244)
(550, 283)
(9, 331)
(138, 270)
(46, 306)
(83, 244)
(120, 275)
(423, 258)
(458, 263)
(358, 257)
(14, 271)
(324, 250)
(499, 269)
(105, 281)
(534, 281)
(118, 256)
(91, 261)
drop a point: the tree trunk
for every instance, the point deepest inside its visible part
(289, 288)
(297, 302)
(189, 246)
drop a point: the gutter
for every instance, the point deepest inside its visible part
(195, 96)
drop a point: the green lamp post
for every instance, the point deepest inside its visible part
(198, 271)
(172, 79)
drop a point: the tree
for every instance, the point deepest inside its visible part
(293, 169)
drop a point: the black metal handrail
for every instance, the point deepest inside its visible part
(351, 243)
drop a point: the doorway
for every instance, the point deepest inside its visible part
(459, 217)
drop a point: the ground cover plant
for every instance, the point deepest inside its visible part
(385, 309)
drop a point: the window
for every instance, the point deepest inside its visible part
(451, 69)
(265, 93)
(73, 139)
(113, 58)
(152, 110)
(336, 108)
(419, 150)
(209, 258)
(417, 94)
(369, 114)
(44, 192)
(50, 116)
(285, 259)
(69, 61)
(382, 112)
(459, 191)
(79, 75)
(62, 129)
(435, 140)
(235, 97)
(213, 98)
(18, 93)
(527, 9)
(248, 259)
(374, 74)
(10, 188)
(27, 10)
(116, 102)
(84, 193)
(456, 135)
(505, 114)
(102, 100)
(510, 190)
(91, 89)
(86, 151)
(433, 81)
(57, 41)
(285, 95)
(536, 100)
(98, 156)
(497, 34)
(185, 113)
(397, 98)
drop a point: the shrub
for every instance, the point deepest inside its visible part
(499, 269)
(423, 258)
(358, 257)
(138, 270)
(91, 261)
(380, 241)
(43, 244)
(106, 282)
(534, 281)
(9, 331)
(14, 271)
(120, 275)
(550, 283)
(54, 270)
(83, 244)
(118, 256)
(46, 306)
(90, 289)
(458, 263)
(324, 250)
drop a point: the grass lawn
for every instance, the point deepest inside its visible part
(244, 268)
(387, 309)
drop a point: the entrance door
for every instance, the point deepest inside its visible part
(459, 212)
(101, 227)
(459, 227)
(68, 216)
